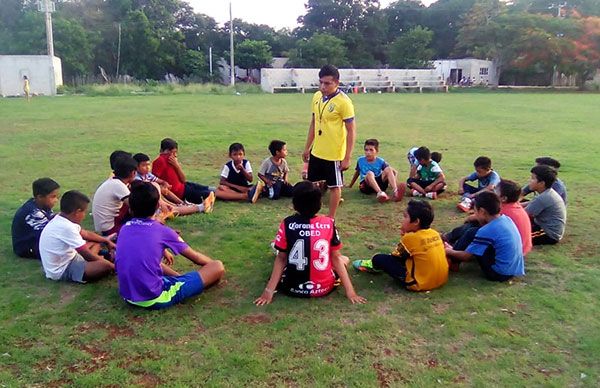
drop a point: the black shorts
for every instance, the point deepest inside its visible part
(365, 188)
(325, 170)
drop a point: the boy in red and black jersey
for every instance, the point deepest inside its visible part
(309, 252)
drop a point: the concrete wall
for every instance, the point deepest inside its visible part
(44, 75)
(307, 78)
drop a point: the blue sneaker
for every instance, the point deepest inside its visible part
(365, 266)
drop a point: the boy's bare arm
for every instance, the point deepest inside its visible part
(173, 161)
(340, 268)
(196, 257)
(459, 255)
(350, 138)
(265, 179)
(461, 183)
(414, 174)
(89, 255)
(278, 266)
(354, 178)
(94, 237)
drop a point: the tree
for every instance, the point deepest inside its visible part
(253, 54)
(317, 51)
(584, 54)
(443, 18)
(139, 47)
(72, 45)
(333, 16)
(402, 16)
(410, 50)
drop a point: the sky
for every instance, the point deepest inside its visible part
(275, 13)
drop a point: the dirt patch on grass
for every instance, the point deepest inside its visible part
(387, 377)
(256, 319)
(440, 308)
(99, 360)
(112, 331)
(148, 380)
(67, 294)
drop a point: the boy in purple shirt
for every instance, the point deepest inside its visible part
(143, 242)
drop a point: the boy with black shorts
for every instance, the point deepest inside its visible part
(144, 281)
(419, 262)
(497, 244)
(69, 253)
(547, 210)
(331, 135)
(274, 172)
(376, 174)
(308, 252)
(32, 217)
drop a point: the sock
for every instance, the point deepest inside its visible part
(200, 207)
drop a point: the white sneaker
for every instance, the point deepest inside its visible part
(415, 193)
(465, 204)
(382, 197)
(431, 195)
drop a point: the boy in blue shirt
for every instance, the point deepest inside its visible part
(486, 177)
(375, 174)
(497, 244)
(32, 217)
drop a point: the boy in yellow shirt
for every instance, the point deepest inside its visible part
(419, 261)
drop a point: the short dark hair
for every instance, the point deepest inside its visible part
(548, 161)
(124, 167)
(372, 142)
(116, 155)
(483, 162)
(307, 198)
(276, 145)
(422, 211)
(72, 201)
(234, 147)
(422, 153)
(545, 174)
(43, 186)
(488, 201)
(510, 190)
(436, 157)
(139, 158)
(329, 70)
(143, 200)
(167, 144)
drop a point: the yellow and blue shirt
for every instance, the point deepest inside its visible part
(331, 114)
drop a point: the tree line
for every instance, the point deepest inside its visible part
(527, 39)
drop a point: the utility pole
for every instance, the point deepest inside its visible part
(47, 6)
(118, 52)
(210, 69)
(232, 64)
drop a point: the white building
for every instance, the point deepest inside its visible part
(44, 74)
(475, 71)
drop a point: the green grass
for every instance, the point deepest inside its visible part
(542, 330)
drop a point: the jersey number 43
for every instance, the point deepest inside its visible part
(298, 259)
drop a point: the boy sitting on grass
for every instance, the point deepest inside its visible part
(64, 252)
(486, 177)
(170, 204)
(110, 205)
(419, 262)
(144, 280)
(509, 193)
(427, 179)
(558, 185)
(375, 174)
(32, 217)
(236, 177)
(308, 257)
(166, 166)
(497, 244)
(547, 210)
(274, 172)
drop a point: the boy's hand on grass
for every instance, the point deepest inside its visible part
(356, 299)
(265, 298)
(461, 191)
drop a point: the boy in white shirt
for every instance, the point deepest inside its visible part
(66, 255)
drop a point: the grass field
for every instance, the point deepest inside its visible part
(542, 330)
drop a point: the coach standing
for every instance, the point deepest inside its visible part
(331, 135)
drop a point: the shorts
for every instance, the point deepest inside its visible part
(539, 235)
(366, 189)
(75, 270)
(485, 263)
(325, 170)
(175, 290)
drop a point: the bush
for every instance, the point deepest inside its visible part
(154, 87)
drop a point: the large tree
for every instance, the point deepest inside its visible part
(253, 54)
(317, 51)
(411, 50)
